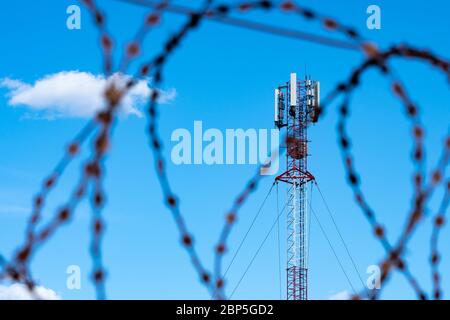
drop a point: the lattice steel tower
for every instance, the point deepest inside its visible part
(296, 103)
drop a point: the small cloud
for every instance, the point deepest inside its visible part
(18, 291)
(76, 94)
(343, 295)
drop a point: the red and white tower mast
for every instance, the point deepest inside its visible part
(296, 103)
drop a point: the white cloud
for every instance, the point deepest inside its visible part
(76, 94)
(343, 295)
(18, 291)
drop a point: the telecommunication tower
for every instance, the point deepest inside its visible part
(296, 105)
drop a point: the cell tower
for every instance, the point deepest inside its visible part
(296, 105)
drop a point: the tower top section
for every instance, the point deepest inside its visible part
(290, 98)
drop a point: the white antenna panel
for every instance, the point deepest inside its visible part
(293, 89)
(277, 94)
(317, 94)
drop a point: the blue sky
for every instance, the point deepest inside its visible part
(225, 77)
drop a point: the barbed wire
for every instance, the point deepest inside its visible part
(380, 60)
(93, 172)
(438, 223)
